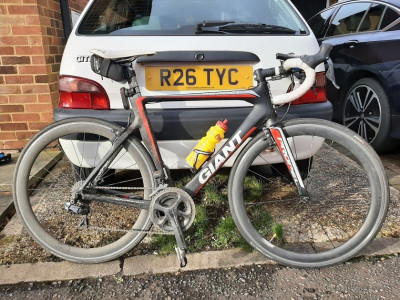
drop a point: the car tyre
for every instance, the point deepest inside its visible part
(366, 110)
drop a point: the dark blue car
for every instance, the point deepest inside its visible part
(366, 57)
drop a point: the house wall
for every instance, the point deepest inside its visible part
(31, 46)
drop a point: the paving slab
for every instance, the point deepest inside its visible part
(6, 207)
(55, 271)
(7, 172)
(382, 246)
(395, 182)
(44, 162)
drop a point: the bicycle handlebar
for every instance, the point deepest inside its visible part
(307, 63)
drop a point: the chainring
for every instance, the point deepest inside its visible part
(172, 198)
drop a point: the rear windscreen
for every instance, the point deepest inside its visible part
(180, 17)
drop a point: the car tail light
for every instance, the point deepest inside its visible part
(316, 94)
(82, 93)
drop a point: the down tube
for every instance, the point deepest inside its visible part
(207, 171)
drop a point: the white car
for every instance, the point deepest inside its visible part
(200, 45)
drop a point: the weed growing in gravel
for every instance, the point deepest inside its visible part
(213, 195)
(164, 244)
(226, 234)
(253, 188)
(277, 229)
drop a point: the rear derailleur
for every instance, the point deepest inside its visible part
(77, 206)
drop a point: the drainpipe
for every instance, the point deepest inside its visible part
(66, 18)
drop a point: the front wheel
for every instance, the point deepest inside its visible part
(347, 189)
(44, 185)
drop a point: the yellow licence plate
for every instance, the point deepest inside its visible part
(199, 78)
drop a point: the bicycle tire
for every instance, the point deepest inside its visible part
(348, 197)
(40, 197)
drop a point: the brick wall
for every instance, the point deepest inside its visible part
(31, 46)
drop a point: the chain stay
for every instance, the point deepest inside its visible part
(152, 231)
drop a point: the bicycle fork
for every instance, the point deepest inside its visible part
(282, 144)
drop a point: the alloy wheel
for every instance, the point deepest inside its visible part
(362, 112)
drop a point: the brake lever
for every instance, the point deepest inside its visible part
(299, 75)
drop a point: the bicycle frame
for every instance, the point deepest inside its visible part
(262, 111)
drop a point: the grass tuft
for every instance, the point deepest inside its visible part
(253, 188)
(164, 244)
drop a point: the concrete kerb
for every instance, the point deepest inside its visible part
(154, 264)
(55, 271)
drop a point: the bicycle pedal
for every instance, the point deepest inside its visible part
(79, 210)
(181, 253)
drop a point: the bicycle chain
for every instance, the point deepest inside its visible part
(121, 188)
(154, 230)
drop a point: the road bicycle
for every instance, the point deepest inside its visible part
(303, 192)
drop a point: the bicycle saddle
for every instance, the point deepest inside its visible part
(115, 64)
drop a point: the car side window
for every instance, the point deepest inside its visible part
(389, 17)
(348, 19)
(317, 23)
(372, 18)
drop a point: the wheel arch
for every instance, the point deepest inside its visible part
(356, 75)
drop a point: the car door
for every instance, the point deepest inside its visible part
(352, 31)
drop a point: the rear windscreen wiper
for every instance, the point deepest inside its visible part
(235, 27)
(212, 25)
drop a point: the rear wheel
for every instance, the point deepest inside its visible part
(44, 184)
(346, 184)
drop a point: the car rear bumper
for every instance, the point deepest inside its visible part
(189, 124)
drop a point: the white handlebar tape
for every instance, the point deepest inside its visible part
(303, 88)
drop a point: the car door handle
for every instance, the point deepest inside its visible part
(352, 43)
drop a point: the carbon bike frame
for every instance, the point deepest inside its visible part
(262, 112)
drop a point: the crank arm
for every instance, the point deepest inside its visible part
(136, 203)
(180, 240)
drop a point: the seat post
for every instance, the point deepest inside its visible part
(134, 86)
(131, 93)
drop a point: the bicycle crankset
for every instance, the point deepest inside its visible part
(173, 210)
